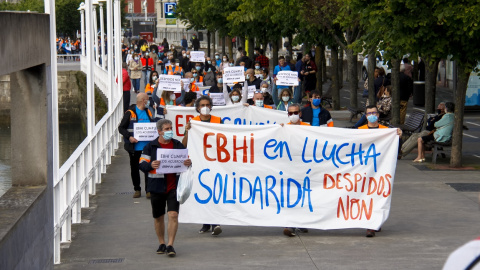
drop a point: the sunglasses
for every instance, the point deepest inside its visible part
(194, 72)
(292, 113)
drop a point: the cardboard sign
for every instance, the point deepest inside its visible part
(197, 56)
(218, 99)
(233, 74)
(288, 78)
(170, 83)
(171, 160)
(145, 131)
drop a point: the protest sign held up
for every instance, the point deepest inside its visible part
(288, 78)
(197, 56)
(170, 83)
(145, 131)
(171, 160)
(233, 75)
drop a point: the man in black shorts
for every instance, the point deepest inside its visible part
(163, 187)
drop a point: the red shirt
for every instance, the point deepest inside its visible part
(127, 84)
(263, 61)
(171, 177)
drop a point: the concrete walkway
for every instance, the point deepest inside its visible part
(428, 220)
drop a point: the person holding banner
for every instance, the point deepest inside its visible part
(258, 101)
(137, 113)
(282, 66)
(163, 187)
(267, 97)
(294, 114)
(203, 105)
(315, 114)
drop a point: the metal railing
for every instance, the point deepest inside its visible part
(100, 76)
(62, 58)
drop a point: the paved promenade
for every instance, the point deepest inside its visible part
(428, 220)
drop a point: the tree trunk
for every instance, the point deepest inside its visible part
(352, 76)
(463, 76)
(318, 62)
(324, 63)
(396, 91)
(224, 52)
(275, 53)
(306, 47)
(251, 48)
(335, 84)
(230, 48)
(214, 42)
(209, 39)
(431, 68)
(242, 42)
(340, 68)
(371, 76)
(290, 46)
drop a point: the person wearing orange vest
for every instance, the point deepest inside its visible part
(137, 113)
(153, 81)
(191, 86)
(203, 105)
(173, 69)
(258, 101)
(372, 117)
(147, 63)
(294, 114)
(196, 73)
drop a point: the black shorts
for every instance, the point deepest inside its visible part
(161, 200)
(428, 138)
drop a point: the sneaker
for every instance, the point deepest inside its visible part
(137, 194)
(148, 195)
(161, 249)
(205, 228)
(171, 252)
(303, 230)
(217, 230)
(289, 232)
(370, 233)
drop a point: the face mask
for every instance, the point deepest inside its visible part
(188, 56)
(205, 111)
(136, 47)
(136, 58)
(220, 80)
(209, 62)
(231, 64)
(257, 67)
(316, 102)
(168, 135)
(146, 54)
(194, 75)
(260, 76)
(259, 103)
(154, 78)
(217, 57)
(172, 97)
(147, 103)
(285, 99)
(372, 118)
(177, 64)
(184, 55)
(264, 90)
(224, 59)
(235, 98)
(197, 68)
(248, 76)
(192, 79)
(294, 118)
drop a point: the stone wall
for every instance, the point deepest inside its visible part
(5, 97)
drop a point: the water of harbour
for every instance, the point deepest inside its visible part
(70, 136)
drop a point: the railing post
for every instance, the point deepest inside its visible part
(95, 28)
(111, 78)
(90, 73)
(102, 38)
(118, 51)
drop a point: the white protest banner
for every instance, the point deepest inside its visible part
(197, 56)
(231, 115)
(251, 91)
(218, 99)
(170, 83)
(199, 84)
(171, 160)
(289, 78)
(233, 74)
(145, 131)
(291, 176)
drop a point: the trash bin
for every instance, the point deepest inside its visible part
(419, 93)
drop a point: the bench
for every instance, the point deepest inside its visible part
(438, 148)
(355, 112)
(413, 124)
(327, 100)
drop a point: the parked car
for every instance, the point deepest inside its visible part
(379, 63)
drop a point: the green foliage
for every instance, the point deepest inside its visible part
(24, 5)
(68, 17)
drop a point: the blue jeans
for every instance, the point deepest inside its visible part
(146, 79)
(136, 84)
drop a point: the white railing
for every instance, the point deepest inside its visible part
(100, 76)
(80, 173)
(69, 58)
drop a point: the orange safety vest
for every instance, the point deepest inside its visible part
(200, 79)
(171, 71)
(162, 102)
(268, 107)
(301, 123)
(148, 90)
(366, 126)
(194, 88)
(213, 119)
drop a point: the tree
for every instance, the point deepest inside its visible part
(24, 5)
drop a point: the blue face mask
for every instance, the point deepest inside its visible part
(168, 135)
(257, 67)
(316, 102)
(194, 75)
(372, 118)
(209, 62)
(220, 80)
(197, 68)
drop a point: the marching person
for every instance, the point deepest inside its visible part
(163, 187)
(137, 113)
(203, 105)
(315, 115)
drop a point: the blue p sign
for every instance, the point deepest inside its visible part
(170, 9)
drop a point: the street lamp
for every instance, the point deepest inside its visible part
(81, 8)
(145, 5)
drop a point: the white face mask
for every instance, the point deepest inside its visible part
(294, 118)
(172, 97)
(259, 103)
(264, 90)
(154, 78)
(235, 98)
(285, 98)
(205, 111)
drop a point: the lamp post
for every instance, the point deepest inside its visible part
(102, 33)
(81, 8)
(145, 5)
